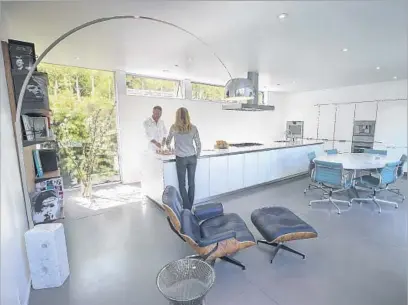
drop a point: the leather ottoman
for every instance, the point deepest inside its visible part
(278, 225)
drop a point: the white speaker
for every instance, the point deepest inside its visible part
(47, 255)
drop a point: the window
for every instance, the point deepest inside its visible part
(207, 92)
(84, 123)
(261, 99)
(146, 86)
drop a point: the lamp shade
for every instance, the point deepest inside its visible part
(239, 89)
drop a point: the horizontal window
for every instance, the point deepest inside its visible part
(207, 92)
(146, 86)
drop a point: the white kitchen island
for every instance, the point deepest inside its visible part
(225, 171)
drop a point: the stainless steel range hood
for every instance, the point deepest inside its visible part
(235, 87)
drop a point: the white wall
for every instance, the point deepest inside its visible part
(300, 106)
(213, 124)
(14, 274)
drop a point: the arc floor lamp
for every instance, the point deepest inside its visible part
(236, 88)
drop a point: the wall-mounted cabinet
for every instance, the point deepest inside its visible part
(391, 126)
(326, 121)
(344, 122)
(366, 111)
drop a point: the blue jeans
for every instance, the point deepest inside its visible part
(188, 164)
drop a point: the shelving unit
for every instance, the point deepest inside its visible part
(37, 141)
(29, 179)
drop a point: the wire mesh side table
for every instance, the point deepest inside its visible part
(185, 281)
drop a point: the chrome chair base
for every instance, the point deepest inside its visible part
(396, 192)
(312, 187)
(376, 201)
(332, 201)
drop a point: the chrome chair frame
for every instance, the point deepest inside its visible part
(384, 176)
(344, 184)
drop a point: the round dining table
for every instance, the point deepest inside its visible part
(358, 161)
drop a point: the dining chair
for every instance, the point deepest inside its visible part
(400, 173)
(375, 151)
(385, 176)
(332, 151)
(334, 179)
(311, 156)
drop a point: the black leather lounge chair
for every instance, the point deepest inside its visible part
(211, 233)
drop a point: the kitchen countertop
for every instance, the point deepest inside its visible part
(208, 153)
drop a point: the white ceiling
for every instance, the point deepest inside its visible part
(304, 52)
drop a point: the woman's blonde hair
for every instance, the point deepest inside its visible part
(183, 123)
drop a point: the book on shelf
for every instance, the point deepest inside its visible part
(37, 163)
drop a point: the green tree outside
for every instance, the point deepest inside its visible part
(84, 123)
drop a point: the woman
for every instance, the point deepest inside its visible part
(185, 134)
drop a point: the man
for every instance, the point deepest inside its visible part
(155, 130)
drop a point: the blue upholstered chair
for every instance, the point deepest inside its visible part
(332, 151)
(400, 173)
(333, 179)
(375, 151)
(211, 233)
(311, 156)
(379, 183)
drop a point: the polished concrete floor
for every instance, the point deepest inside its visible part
(360, 256)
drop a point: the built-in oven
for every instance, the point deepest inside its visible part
(294, 129)
(363, 136)
(357, 147)
(364, 128)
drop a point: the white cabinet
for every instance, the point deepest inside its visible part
(366, 111)
(283, 162)
(202, 179)
(277, 169)
(218, 175)
(299, 160)
(344, 122)
(170, 174)
(235, 172)
(391, 126)
(264, 166)
(326, 121)
(250, 169)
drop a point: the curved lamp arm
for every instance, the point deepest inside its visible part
(99, 20)
(19, 137)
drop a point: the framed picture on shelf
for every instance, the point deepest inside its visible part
(36, 93)
(22, 55)
(36, 127)
(47, 206)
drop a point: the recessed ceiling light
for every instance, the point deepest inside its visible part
(77, 58)
(277, 84)
(345, 50)
(294, 82)
(395, 77)
(378, 68)
(176, 66)
(165, 70)
(283, 16)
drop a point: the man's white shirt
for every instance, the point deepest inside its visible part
(154, 131)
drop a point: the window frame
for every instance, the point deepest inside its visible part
(178, 82)
(207, 100)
